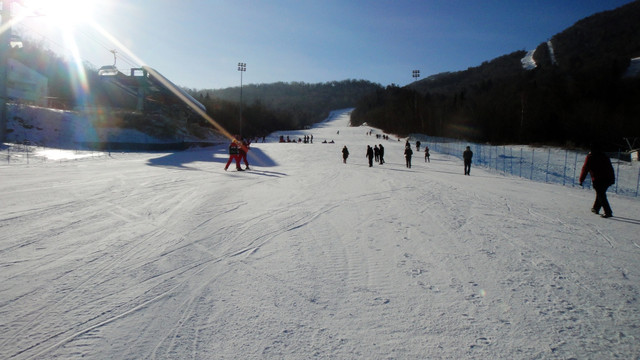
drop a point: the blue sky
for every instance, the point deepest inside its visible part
(198, 43)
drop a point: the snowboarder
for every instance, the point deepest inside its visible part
(370, 155)
(598, 166)
(345, 154)
(234, 154)
(426, 154)
(407, 154)
(467, 155)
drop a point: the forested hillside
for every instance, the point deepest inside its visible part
(270, 107)
(582, 97)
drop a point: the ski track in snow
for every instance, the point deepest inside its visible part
(309, 258)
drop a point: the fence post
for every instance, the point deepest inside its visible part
(618, 173)
(511, 158)
(533, 152)
(564, 171)
(490, 157)
(575, 169)
(638, 183)
(521, 161)
(546, 178)
(504, 159)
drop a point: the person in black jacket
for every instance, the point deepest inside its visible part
(370, 155)
(467, 155)
(407, 154)
(345, 154)
(381, 154)
(598, 166)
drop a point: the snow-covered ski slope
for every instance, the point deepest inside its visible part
(167, 256)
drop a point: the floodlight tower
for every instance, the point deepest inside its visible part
(416, 75)
(242, 67)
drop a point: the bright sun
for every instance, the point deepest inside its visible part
(62, 12)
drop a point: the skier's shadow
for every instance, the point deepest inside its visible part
(217, 154)
(626, 220)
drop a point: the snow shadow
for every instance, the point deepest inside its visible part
(626, 220)
(218, 154)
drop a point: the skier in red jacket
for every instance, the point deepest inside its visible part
(234, 154)
(598, 165)
(244, 149)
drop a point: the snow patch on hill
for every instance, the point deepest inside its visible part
(528, 63)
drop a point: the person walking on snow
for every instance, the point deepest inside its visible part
(598, 166)
(467, 155)
(426, 154)
(345, 154)
(234, 154)
(370, 155)
(381, 149)
(407, 154)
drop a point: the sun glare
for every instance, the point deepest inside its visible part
(62, 12)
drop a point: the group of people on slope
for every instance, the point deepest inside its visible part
(376, 153)
(238, 149)
(408, 153)
(596, 164)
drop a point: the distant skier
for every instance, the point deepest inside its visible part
(467, 155)
(598, 166)
(370, 155)
(426, 154)
(407, 154)
(418, 146)
(345, 154)
(381, 149)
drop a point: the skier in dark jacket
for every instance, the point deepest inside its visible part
(407, 154)
(598, 166)
(467, 155)
(345, 154)
(381, 154)
(370, 155)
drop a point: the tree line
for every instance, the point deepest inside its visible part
(278, 106)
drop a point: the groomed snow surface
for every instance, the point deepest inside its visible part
(167, 256)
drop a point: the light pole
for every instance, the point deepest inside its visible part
(416, 75)
(242, 67)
